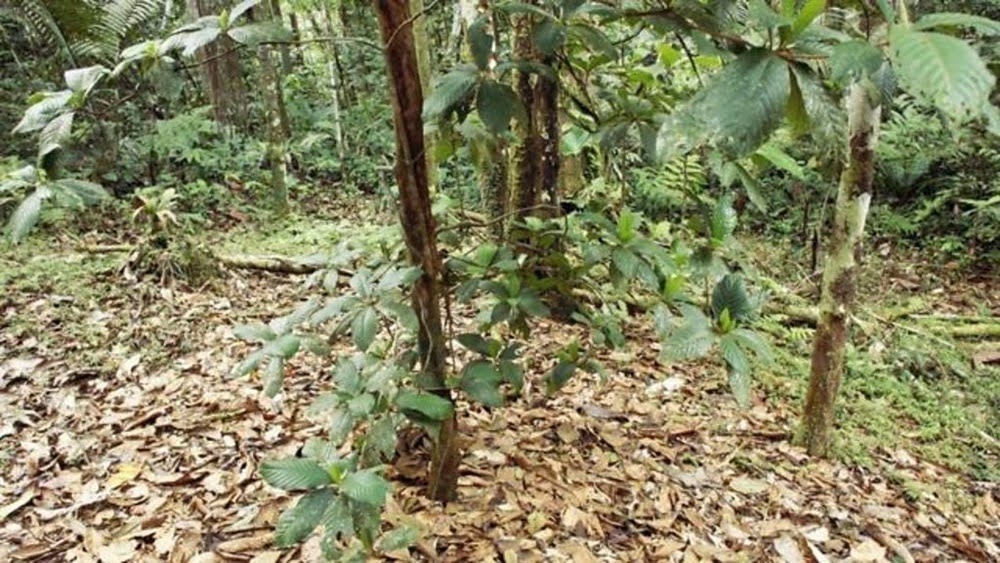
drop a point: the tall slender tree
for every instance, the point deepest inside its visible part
(419, 228)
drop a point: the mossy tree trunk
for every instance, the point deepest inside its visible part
(419, 228)
(421, 43)
(278, 128)
(840, 273)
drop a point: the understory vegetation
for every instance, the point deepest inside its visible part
(505, 281)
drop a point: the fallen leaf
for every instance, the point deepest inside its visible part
(117, 552)
(126, 473)
(867, 551)
(788, 549)
(748, 486)
(13, 507)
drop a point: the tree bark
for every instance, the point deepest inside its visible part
(419, 229)
(535, 163)
(839, 283)
(278, 129)
(221, 71)
(420, 44)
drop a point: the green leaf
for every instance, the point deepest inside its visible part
(810, 11)
(362, 405)
(750, 340)
(398, 538)
(628, 225)
(249, 364)
(739, 384)
(83, 80)
(254, 333)
(722, 222)
(480, 42)
(529, 302)
(474, 342)
(24, 217)
(730, 349)
(594, 39)
(381, 438)
(480, 380)
(730, 294)
(983, 26)
(402, 312)
(626, 262)
(752, 187)
(424, 407)
(284, 347)
(941, 71)
(55, 134)
(450, 92)
(241, 8)
(741, 106)
(364, 327)
(293, 474)
(337, 522)
(78, 191)
(512, 373)
(549, 36)
(560, 376)
(253, 34)
(497, 105)
(853, 60)
(296, 523)
(274, 376)
(781, 159)
(365, 486)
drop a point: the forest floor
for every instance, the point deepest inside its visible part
(123, 438)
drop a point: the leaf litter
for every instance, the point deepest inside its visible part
(124, 439)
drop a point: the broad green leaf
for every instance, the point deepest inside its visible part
(38, 114)
(983, 26)
(480, 380)
(512, 373)
(24, 217)
(78, 191)
(341, 424)
(55, 134)
(594, 39)
(626, 262)
(739, 384)
(284, 346)
(293, 474)
(254, 34)
(549, 36)
(398, 538)
(497, 104)
(450, 91)
(381, 438)
(474, 342)
(722, 222)
(337, 520)
(83, 79)
(733, 355)
(424, 406)
(810, 11)
(365, 486)
(241, 8)
(853, 60)
(750, 340)
(274, 376)
(249, 364)
(480, 42)
(296, 523)
(347, 376)
(753, 188)
(362, 405)
(730, 294)
(781, 159)
(628, 225)
(560, 376)
(741, 106)
(194, 40)
(254, 333)
(364, 327)
(529, 302)
(941, 71)
(402, 312)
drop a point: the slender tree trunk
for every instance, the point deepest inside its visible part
(274, 7)
(222, 72)
(278, 129)
(421, 43)
(839, 284)
(536, 159)
(419, 229)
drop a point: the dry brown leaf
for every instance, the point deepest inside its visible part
(788, 549)
(125, 473)
(867, 551)
(13, 507)
(748, 486)
(117, 552)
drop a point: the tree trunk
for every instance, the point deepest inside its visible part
(221, 70)
(419, 229)
(535, 163)
(278, 129)
(274, 7)
(839, 284)
(420, 43)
